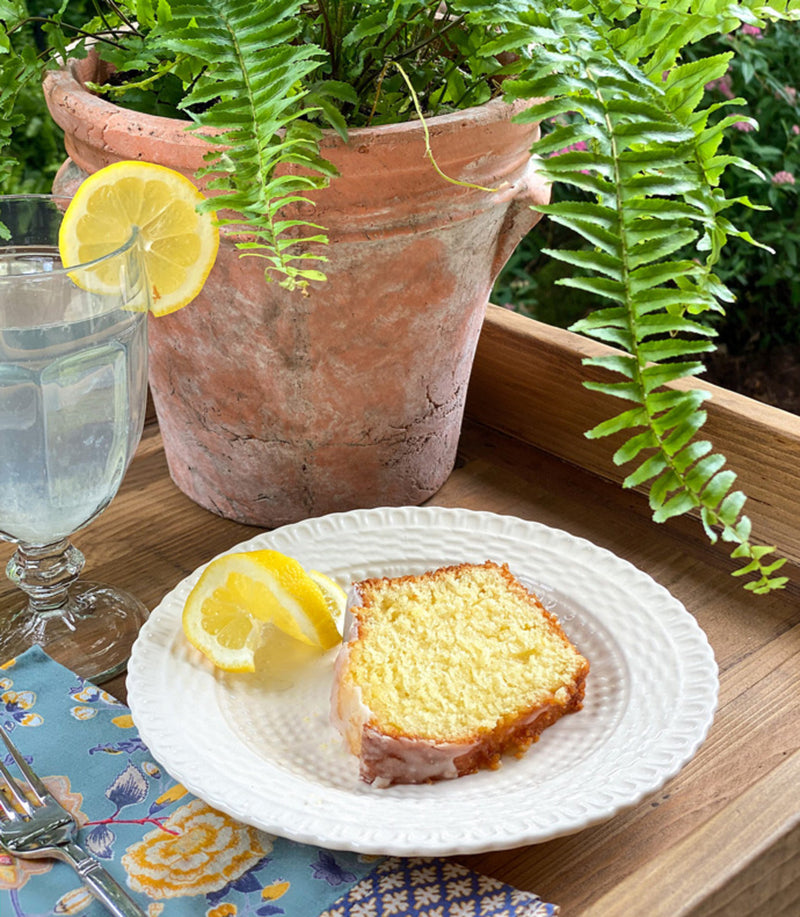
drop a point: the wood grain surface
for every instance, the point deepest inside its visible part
(721, 838)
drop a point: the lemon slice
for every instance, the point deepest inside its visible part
(237, 594)
(335, 596)
(226, 635)
(179, 244)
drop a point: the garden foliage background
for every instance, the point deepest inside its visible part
(759, 337)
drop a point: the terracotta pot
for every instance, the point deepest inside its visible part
(275, 406)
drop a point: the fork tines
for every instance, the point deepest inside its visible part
(35, 785)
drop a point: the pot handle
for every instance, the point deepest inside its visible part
(519, 218)
(68, 178)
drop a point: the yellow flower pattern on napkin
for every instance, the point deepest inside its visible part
(197, 850)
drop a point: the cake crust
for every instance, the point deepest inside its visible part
(390, 745)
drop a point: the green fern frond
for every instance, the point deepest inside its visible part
(252, 95)
(652, 163)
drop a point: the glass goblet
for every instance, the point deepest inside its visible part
(73, 387)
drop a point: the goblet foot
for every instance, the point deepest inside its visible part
(92, 634)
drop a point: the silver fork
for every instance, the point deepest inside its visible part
(43, 828)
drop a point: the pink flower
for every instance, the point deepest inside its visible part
(579, 146)
(751, 30)
(796, 128)
(744, 126)
(723, 85)
(783, 178)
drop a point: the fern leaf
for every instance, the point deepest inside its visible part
(652, 165)
(685, 84)
(622, 363)
(663, 373)
(666, 323)
(627, 420)
(717, 488)
(683, 408)
(682, 434)
(671, 348)
(634, 446)
(253, 66)
(682, 502)
(653, 275)
(601, 286)
(599, 227)
(691, 455)
(589, 259)
(647, 470)
(660, 489)
(628, 390)
(642, 253)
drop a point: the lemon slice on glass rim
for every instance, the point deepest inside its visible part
(179, 245)
(238, 594)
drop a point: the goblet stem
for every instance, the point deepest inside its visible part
(45, 573)
(88, 627)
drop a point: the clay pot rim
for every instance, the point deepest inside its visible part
(70, 81)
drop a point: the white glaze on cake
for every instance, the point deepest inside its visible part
(400, 759)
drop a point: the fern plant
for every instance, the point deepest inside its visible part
(652, 163)
(261, 80)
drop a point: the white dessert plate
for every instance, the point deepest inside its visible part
(260, 747)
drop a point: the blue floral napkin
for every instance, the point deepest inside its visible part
(176, 855)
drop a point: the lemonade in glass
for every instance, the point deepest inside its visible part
(73, 388)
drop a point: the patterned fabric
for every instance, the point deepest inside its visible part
(435, 888)
(177, 855)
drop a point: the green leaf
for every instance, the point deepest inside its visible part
(634, 446)
(670, 298)
(666, 483)
(588, 260)
(562, 138)
(676, 398)
(647, 251)
(683, 433)
(703, 471)
(683, 411)
(647, 470)
(661, 323)
(627, 420)
(731, 507)
(630, 390)
(645, 278)
(252, 68)
(682, 502)
(686, 83)
(741, 531)
(583, 213)
(600, 286)
(604, 234)
(716, 489)
(689, 455)
(621, 363)
(668, 348)
(655, 376)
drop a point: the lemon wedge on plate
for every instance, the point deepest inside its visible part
(335, 596)
(237, 594)
(179, 245)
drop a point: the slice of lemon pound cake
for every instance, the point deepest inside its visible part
(443, 673)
